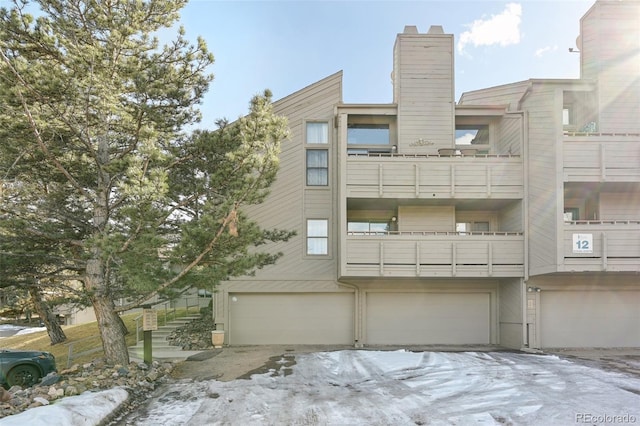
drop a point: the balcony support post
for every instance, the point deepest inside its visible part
(453, 259)
(453, 180)
(604, 251)
(416, 167)
(380, 177)
(418, 258)
(603, 167)
(381, 258)
(488, 181)
(490, 258)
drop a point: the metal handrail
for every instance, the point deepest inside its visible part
(167, 313)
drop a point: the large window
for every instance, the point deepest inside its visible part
(367, 134)
(362, 227)
(317, 237)
(317, 167)
(465, 227)
(317, 132)
(472, 134)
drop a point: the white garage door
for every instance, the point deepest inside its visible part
(582, 319)
(284, 318)
(428, 318)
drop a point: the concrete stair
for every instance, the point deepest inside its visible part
(161, 349)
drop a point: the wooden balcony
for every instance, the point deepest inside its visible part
(434, 176)
(434, 254)
(598, 157)
(612, 245)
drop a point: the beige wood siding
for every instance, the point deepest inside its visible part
(423, 89)
(510, 218)
(289, 203)
(508, 94)
(544, 200)
(434, 177)
(426, 218)
(610, 35)
(616, 247)
(418, 255)
(509, 139)
(510, 313)
(601, 158)
(589, 319)
(428, 318)
(287, 318)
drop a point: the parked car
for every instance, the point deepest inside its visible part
(24, 368)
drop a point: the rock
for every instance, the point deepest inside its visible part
(152, 376)
(41, 400)
(50, 379)
(71, 370)
(5, 395)
(70, 391)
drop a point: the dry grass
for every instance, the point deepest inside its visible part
(83, 338)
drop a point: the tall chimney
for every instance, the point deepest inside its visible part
(423, 88)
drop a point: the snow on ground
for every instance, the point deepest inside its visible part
(88, 409)
(406, 388)
(379, 388)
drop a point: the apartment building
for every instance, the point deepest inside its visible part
(511, 217)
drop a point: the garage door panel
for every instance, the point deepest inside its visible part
(590, 319)
(284, 318)
(428, 318)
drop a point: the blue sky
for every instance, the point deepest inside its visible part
(287, 45)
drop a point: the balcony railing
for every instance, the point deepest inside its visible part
(433, 254)
(600, 157)
(599, 245)
(434, 176)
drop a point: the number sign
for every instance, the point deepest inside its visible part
(583, 243)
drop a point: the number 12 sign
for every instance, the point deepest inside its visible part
(583, 243)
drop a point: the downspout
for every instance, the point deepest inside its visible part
(525, 211)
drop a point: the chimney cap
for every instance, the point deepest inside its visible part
(410, 29)
(436, 29)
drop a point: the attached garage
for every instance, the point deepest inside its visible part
(428, 318)
(581, 319)
(286, 318)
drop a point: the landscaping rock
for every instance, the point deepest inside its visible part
(138, 379)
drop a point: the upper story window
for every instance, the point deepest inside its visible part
(362, 227)
(317, 237)
(370, 133)
(465, 227)
(472, 135)
(317, 132)
(317, 167)
(367, 134)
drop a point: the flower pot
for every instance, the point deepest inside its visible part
(217, 338)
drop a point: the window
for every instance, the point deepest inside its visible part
(317, 237)
(317, 167)
(567, 116)
(367, 134)
(472, 134)
(367, 228)
(464, 227)
(317, 132)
